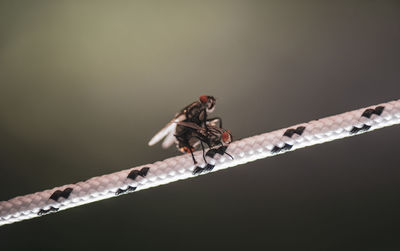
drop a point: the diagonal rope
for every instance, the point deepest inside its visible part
(182, 167)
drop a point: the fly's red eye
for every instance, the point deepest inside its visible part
(226, 137)
(203, 99)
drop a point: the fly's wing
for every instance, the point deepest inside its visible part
(169, 140)
(191, 125)
(210, 125)
(168, 130)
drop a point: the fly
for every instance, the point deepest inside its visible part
(195, 113)
(189, 135)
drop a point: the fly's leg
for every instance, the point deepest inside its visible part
(204, 155)
(224, 151)
(228, 155)
(202, 147)
(187, 145)
(191, 152)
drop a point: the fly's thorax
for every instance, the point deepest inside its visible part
(196, 115)
(214, 139)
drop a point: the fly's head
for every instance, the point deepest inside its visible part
(208, 102)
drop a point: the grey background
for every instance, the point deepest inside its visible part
(84, 86)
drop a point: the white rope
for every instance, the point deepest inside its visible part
(182, 167)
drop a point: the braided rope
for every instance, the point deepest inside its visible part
(182, 167)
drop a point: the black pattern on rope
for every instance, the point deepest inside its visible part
(367, 113)
(278, 149)
(142, 172)
(362, 129)
(210, 153)
(377, 111)
(124, 191)
(288, 133)
(55, 196)
(133, 175)
(207, 168)
(48, 211)
(58, 193)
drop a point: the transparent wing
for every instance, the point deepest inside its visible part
(169, 140)
(190, 125)
(168, 130)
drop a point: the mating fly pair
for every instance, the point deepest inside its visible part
(191, 127)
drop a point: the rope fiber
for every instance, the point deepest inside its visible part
(182, 167)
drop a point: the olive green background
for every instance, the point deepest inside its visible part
(85, 84)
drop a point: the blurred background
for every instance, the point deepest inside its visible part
(84, 85)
